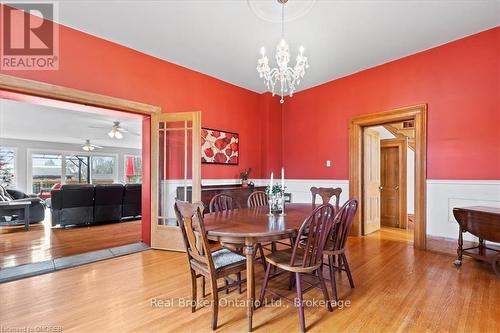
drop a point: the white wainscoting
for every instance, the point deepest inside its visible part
(301, 188)
(442, 196)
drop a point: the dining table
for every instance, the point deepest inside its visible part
(253, 225)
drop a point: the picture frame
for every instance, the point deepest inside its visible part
(219, 147)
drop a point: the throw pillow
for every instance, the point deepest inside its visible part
(4, 195)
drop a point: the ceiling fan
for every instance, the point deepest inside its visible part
(116, 131)
(89, 146)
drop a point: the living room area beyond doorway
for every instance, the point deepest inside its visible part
(81, 174)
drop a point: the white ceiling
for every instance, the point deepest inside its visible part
(222, 38)
(43, 123)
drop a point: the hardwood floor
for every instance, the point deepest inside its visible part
(398, 289)
(42, 242)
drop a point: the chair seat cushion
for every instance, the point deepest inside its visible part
(282, 259)
(225, 257)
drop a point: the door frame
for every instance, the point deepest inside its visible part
(418, 114)
(402, 145)
(12, 87)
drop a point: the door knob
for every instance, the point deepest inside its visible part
(396, 187)
(380, 188)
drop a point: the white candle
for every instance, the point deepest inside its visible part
(271, 185)
(283, 181)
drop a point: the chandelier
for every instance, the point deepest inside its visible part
(286, 77)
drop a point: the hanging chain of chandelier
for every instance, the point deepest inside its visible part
(283, 77)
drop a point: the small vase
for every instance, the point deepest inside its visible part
(244, 183)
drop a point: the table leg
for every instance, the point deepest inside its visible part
(26, 218)
(481, 247)
(458, 261)
(250, 253)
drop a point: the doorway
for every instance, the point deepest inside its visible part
(87, 162)
(389, 179)
(363, 187)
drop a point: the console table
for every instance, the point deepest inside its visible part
(483, 222)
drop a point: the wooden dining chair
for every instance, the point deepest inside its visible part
(326, 194)
(221, 202)
(257, 199)
(301, 260)
(335, 246)
(202, 261)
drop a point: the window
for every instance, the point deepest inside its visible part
(133, 169)
(103, 169)
(46, 171)
(77, 169)
(7, 167)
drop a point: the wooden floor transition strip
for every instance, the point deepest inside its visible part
(48, 266)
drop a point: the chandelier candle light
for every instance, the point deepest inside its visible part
(287, 77)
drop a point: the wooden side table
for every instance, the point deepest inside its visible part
(19, 205)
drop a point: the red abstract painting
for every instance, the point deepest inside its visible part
(219, 147)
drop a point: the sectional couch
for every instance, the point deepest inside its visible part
(89, 204)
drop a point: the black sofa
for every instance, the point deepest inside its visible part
(37, 206)
(89, 204)
(132, 201)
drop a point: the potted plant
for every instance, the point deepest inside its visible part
(244, 177)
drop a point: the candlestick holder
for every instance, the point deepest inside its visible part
(276, 204)
(282, 203)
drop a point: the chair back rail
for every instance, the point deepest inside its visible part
(257, 199)
(221, 202)
(317, 229)
(326, 194)
(342, 223)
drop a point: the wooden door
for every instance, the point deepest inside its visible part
(371, 169)
(393, 182)
(175, 162)
(389, 181)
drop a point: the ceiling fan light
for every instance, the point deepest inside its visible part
(111, 133)
(118, 135)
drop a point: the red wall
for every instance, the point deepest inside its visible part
(272, 135)
(96, 65)
(460, 83)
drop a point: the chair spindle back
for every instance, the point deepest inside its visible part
(342, 224)
(221, 202)
(317, 227)
(257, 199)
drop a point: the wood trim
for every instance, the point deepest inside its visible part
(47, 90)
(402, 145)
(168, 237)
(418, 113)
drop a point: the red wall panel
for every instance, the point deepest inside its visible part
(96, 65)
(460, 83)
